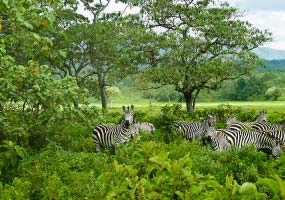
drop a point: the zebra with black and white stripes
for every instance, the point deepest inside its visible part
(234, 124)
(145, 126)
(110, 135)
(195, 130)
(278, 134)
(223, 139)
(265, 126)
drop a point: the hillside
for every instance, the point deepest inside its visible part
(270, 54)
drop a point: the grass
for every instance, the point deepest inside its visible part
(143, 105)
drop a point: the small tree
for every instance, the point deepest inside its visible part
(273, 93)
(112, 92)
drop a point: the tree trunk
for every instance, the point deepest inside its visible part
(150, 103)
(189, 100)
(103, 97)
(1, 129)
(75, 104)
(101, 83)
(194, 99)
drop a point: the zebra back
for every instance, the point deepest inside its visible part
(145, 126)
(258, 139)
(232, 123)
(265, 126)
(195, 130)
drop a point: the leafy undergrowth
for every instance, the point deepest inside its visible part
(151, 168)
(56, 159)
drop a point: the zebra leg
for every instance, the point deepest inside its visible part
(115, 150)
(98, 148)
(276, 151)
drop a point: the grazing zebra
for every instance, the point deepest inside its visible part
(236, 125)
(223, 139)
(195, 130)
(278, 134)
(145, 126)
(110, 135)
(265, 126)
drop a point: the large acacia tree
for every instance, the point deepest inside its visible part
(205, 43)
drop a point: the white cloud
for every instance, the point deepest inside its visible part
(266, 14)
(112, 7)
(273, 5)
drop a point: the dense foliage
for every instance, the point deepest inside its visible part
(159, 166)
(50, 55)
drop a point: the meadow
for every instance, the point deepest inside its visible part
(143, 105)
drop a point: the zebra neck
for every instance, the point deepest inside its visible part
(124, 128)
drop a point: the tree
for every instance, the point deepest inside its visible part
(273, 93)
(112, 92)
(100, 52)
(205, 43)
(251, 88)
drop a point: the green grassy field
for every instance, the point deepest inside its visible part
(269, 106)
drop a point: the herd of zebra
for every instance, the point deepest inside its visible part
(258, 133)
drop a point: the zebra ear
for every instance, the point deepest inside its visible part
(132, 107)
(124, 108)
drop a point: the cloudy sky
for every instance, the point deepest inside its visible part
(263, 14)
(266, 14)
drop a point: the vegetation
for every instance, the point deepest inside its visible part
(161, 165)
(204, 43)
(55, 63)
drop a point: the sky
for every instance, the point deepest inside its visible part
(263, 14)
(266, 14)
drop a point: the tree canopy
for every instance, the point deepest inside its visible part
(204, 43)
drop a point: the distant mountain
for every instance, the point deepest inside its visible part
(270, 54)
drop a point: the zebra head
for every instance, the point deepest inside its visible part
(217, 140)
(230, 120)
(276, 149)
(210, 131)
(261, 117)
(128, 118)
(211, 120)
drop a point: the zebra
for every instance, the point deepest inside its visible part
(234, 124)
(145, 126)
(278, 134)
(223, 139)
(265, 126)
(195, 130)
(110, 135)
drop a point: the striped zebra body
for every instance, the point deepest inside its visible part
(145, 126)
(242, 138)
(195, 130)
(238, 126)
(234, 124)
(111, 135)
(108, 135)
(278, 134)
(265, 126)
